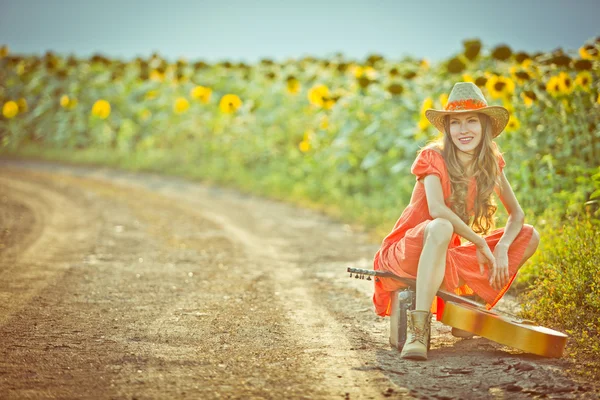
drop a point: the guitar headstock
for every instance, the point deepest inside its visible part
(360, 273)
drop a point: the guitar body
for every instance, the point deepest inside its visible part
(520, 334)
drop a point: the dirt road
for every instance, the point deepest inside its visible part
(137, 286)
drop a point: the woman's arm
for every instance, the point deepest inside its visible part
(516, 217)
(499, 276)
(439, 209)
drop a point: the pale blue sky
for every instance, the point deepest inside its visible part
(250, 30)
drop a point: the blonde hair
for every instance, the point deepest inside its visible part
(486, 173)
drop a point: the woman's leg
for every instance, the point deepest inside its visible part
(430, 275)
(432, 263)
(531, 247)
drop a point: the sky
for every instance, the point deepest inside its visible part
(247, 31)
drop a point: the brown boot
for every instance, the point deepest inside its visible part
(417, 335)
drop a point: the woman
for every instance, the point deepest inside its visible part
(452, 198)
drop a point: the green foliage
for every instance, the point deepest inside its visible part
(347, 150)
(565, 295)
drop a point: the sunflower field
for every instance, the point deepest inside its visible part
(335, 134)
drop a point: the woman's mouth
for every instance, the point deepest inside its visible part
(465, 140)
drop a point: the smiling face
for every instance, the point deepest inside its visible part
(466, 131)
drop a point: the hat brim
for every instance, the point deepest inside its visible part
(498, 115)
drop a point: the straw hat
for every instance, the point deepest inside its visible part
(467, 97)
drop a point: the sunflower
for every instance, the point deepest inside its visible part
(23, 107)
(156, 75)
(20, 68)
(427, 104)
(64, 101)
(468, 78)
(370, 72)
(309, 134)
(480, 81)
(181, 105)
(318, 95)
(293, 85)
(357, 71)
(519, 74)
(565, 82)
(423, 123)
(513, 124)
(508, 105)
(527, 64)
(522, 58)
(582, 65)
(500, 86)
(583, 80)
(589, 52)
(501, 52)
(304, 146)
(101, 109)
(181, 79)
(408, 75)
(364, 82)
(230, 103)
(553, 86)
(10, 109)
(443, 99)
(528, 98)
(395, 89)
(456, 65)
(472, 48)
(3, 51)
(494, 90)
(201, 93)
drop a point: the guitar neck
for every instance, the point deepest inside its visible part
(446, 296)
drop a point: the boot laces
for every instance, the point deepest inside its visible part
(416, 333)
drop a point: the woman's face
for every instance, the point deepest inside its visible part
(465, 130)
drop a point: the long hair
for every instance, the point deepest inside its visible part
(485, 169)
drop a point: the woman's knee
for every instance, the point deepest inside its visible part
(439, 230)
(534, 241)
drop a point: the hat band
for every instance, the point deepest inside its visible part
(468, 104)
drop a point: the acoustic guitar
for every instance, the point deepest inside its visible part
(466, 314)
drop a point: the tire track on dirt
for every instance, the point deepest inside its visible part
(43, 254)
(147, 328)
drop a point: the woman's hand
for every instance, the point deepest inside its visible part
(485, 256)
(500, 276)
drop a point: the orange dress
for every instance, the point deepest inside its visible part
(401, 248)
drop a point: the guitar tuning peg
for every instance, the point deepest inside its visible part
(356, 276)
(350, 274)
(368, 278)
